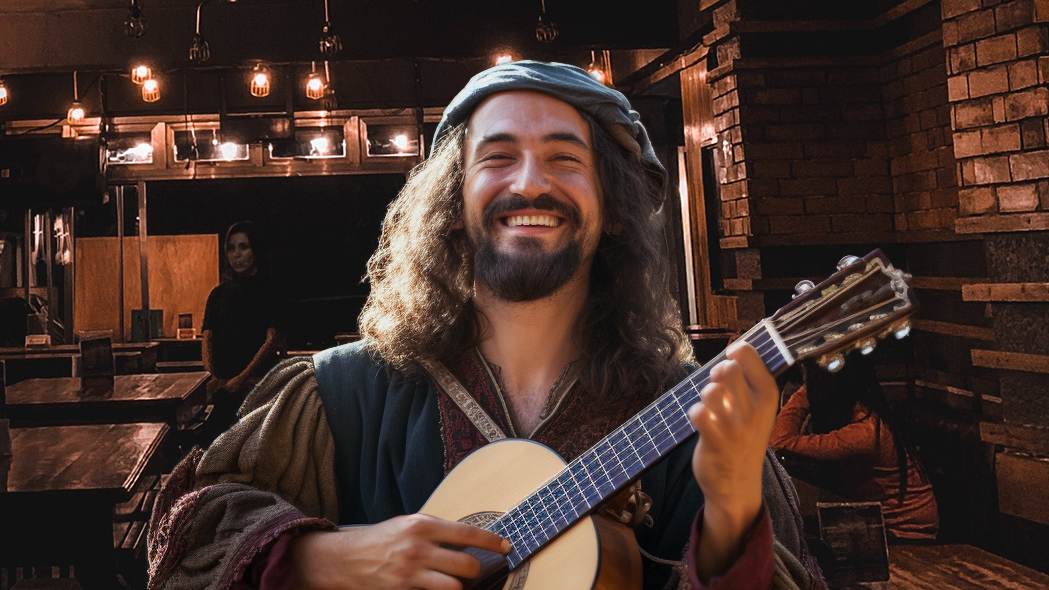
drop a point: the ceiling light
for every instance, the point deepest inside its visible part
(135, 25)
(330, 43)
(151, 90)
(596, 72)
(314, 84)
(141, 73)
(3, 92)
(260, 81)
(504, 58)
(76, 113)
(545, 29)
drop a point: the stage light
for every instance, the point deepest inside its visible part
(141, 73)
(260, 82)
(151, 90)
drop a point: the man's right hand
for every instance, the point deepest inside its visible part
(403, 552)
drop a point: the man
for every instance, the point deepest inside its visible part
(525, 256)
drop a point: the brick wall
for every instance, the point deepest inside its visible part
(920, 139)
(998, 61)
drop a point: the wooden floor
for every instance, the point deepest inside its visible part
(958, 567)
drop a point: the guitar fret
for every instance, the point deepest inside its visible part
(615, 460)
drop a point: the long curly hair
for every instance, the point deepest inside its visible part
(421, 275)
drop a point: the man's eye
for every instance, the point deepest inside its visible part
(567, 158)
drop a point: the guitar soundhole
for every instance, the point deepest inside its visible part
(517, 577)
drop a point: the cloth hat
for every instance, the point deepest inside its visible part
(573, 85)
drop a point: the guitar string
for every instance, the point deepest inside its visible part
(675, 428)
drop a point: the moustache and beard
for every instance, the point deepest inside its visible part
(528, 273)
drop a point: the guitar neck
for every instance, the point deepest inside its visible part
(621, 457)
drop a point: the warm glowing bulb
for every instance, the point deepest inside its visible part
(314, 87)
(76, 113)
(320, 145)
(142, 151)
(401, 142)
(504, 59)
(596, 73)
(228, 150)
(151, 90)
(260, 82)
(141, 73)
(3, 93)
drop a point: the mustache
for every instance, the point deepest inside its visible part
(543, 202)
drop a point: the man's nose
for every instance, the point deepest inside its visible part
(530, 179)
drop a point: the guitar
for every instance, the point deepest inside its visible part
(545, 506)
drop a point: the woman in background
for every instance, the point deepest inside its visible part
(842, 422)
(243, 323)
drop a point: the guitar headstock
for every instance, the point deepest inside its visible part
(865, 301)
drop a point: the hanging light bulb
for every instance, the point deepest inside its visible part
(314, 84)
(76, 113)
(330, 43)
(260, 81)
(545, 29)
(135, 25)
(199, 51)
(595, 71)
(3, 93)
(151, 90)
(141, 73)
(503, 58)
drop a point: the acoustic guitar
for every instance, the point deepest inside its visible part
(545, 507)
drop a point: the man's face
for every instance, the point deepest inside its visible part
(532, 200)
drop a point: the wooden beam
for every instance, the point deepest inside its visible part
(902, 9)
(1002, 223)
(959, 330)
(1011, 361)
(1021, 436)
(1005, 292)
(940, 283)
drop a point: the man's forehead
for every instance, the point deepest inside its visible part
(503, 111)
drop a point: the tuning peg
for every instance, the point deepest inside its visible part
(901, 329)
(803, 287)
(867, 346)
(847, 261)
(832, 364)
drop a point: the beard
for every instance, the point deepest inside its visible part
(528, 273)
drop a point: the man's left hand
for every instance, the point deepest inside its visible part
(734, 421)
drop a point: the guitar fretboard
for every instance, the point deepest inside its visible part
(619, 458)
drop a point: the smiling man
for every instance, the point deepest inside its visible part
(520, 287)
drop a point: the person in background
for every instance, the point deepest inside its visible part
(243, 323)
(842, 422)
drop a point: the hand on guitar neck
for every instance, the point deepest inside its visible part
(403, 552)
(734, 422)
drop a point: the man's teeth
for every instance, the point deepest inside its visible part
(544, 220)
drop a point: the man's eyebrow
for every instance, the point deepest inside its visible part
(564, 136)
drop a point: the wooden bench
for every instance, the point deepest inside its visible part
(130, 525)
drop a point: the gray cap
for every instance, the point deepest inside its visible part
(573, 85)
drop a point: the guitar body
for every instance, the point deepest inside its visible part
(594, 553)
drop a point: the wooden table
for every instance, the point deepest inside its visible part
(63, 486)
(175, 399)
(957, 567)
(58, 361)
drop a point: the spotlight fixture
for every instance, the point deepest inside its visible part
(75, 115)
(260, 81)
(330, 43)
(315, 84)
(135, 25)
(3, 93)
(151, 90)
(545, 29)
(199, 51)
(141, 73)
